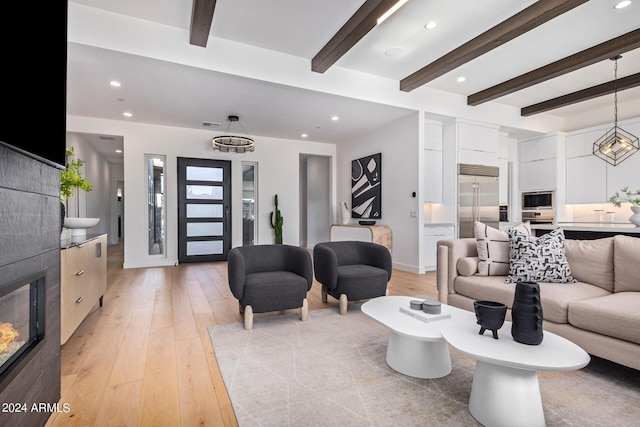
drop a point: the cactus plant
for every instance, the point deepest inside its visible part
(277, 224)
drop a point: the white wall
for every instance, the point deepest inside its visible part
(278, 173)
(401, 148)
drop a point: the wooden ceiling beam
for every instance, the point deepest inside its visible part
(623, 83)
(592, 55)
(201, 18)
(531, 17)
(351, 32)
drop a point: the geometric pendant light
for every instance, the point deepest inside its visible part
(616, 144)
(233, 143)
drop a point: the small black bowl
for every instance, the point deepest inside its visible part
(490, 315)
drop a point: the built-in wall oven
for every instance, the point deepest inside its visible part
(539, 207)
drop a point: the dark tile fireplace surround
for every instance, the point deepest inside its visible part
(30, 245)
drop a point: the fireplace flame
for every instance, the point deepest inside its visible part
(8, 334)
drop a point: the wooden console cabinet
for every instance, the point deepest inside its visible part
(380, 234)
(83, 282)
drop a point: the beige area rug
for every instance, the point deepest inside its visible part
(331, 371)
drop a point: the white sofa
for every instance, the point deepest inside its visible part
(600, 312)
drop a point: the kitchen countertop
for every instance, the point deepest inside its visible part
(589, 226)
(77, 240)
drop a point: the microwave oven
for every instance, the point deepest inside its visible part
(537, 200)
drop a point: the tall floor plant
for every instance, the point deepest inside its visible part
(276, 221)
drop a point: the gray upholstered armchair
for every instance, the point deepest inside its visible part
(270, 278)
(351, 271)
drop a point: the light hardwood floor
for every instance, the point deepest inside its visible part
(145, 357)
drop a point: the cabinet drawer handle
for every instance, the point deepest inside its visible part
(79, 300)
(80, 273)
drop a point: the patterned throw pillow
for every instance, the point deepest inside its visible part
(493, 248)
(539, 260)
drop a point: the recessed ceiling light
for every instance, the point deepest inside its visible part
(622, 4)
(118, 151)
(394, 51)
(335, 118)
(304, 135)
(461, 79)
(127, 114)
(431, 25)
(115, 83)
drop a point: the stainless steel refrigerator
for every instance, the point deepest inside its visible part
(478, 197)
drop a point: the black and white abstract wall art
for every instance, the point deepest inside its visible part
(366, 186)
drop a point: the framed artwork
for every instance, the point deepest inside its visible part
(366, 185)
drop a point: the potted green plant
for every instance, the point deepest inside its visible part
(628, 196)
(71, 180)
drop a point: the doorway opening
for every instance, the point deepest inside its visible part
(315, 200)
(120, 209)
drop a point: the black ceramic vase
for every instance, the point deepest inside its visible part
(526, 314)
(490, 315)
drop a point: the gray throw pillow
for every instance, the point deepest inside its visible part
(539, 260)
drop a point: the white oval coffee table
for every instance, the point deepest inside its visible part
(415, 348)
(505, 390)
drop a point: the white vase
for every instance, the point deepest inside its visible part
(345, 215)
(635, 218)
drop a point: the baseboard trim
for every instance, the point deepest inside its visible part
(409, 268)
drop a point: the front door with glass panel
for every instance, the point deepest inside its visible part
(204, 209)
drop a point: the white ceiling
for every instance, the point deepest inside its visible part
(178, 95)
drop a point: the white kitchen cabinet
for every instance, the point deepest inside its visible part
(590, 179)
(478, 138)
(432, 176)
(539, 162)
(585, 174)
(538, 175)
(585, 180)
(581, 144)
(478, 145)
(474, 143)
(432, 234)
(433, 136)
(539, 149)
(476, 157)
(625, 174)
